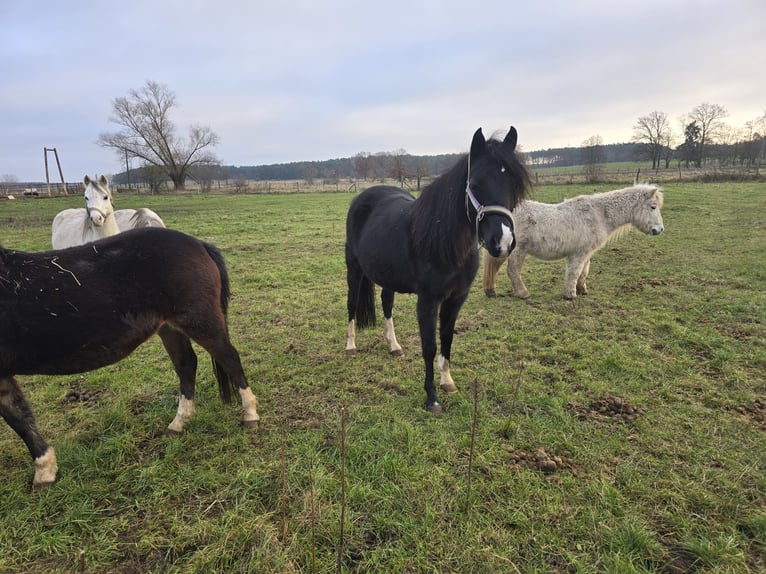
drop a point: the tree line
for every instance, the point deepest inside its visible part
(149, 136)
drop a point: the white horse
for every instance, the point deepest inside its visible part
(99, 219)
(574, 229)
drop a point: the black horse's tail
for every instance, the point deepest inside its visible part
(365, 306)
(225, 384)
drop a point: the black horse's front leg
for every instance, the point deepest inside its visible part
(427, 311)
(16, 411)
(447, 319)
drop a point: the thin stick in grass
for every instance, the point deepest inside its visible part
(283, 501)
(474, 423)
(341, 542)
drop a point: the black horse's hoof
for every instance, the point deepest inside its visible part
(435, 409)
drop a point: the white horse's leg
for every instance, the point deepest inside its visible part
(582, 287)
(574, 268)
(351, 338)
(445, 378)
(45, 469)
(184, 414)
(390, 336)
(489, 276)
(515, 262)
(250, 404)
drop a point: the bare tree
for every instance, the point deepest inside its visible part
(593, 158)
(150, 135)
(654, 131)
(398, 166)
(363, 164)
(708, 119)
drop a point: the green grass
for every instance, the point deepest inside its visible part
(673, 326)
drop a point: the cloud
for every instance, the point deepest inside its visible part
(312, 81)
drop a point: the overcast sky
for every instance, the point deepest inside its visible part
(307, 80)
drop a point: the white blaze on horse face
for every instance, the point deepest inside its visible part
(184, 415)
(506, 240)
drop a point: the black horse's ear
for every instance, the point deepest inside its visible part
(478, 144)
(511, 138)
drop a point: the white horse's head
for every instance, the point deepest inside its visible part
(98, 200)
(648, 217)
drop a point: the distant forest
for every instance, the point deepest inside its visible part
(403, 166)
(397, 165)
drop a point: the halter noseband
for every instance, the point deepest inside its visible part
(481, 210)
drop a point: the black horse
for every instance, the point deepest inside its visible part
(81, 308)
(428, 246)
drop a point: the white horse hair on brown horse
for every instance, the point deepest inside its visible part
(574, 229)
(98, 219)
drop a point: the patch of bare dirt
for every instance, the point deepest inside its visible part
(755, 412)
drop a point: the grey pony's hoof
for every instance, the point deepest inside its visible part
(250, 424)
(397, 353)
(170, 433)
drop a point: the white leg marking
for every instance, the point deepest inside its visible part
(506, 241)
(249, 404)
(445, 383)
(45, 468)
(390, 335)
(351, 338)
(184, 415)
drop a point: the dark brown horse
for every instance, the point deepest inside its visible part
(82, 308)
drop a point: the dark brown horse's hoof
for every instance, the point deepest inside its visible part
(250, 424)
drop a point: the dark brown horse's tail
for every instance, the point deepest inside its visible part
(365, 308)
(225, 384)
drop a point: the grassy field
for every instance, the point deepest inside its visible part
(622, 432)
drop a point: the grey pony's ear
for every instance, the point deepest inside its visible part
(86, 180)
(102, 180)
(478, 144)
(511, 138)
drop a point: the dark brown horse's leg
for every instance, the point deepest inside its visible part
(16, 411)
(230, 374)
(184, 360)
(427, 311)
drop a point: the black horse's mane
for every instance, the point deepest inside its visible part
(440, 225)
